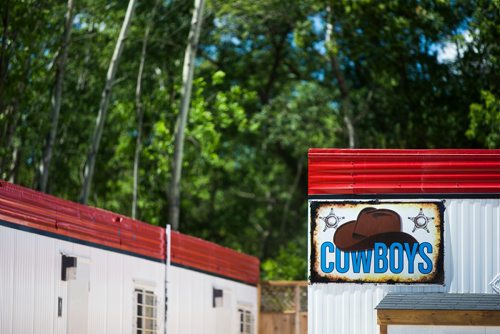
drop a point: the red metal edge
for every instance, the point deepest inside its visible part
(209, 257)
(33, 209)
(403, 171)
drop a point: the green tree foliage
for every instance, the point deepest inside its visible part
(485, 120)
(268, 85)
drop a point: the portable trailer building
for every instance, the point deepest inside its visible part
(69, 268)
(402, 222)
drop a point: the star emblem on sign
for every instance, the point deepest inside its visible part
(331, 220)
(421, 221)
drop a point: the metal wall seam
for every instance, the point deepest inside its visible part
(7, 268)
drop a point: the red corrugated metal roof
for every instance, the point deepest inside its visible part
(375, 171)
(50, 214)
(208, 257)
(46, 213)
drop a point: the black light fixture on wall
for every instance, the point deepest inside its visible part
(217, 297)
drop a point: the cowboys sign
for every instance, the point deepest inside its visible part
(376, 242)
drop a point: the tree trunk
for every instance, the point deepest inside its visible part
(346, 106)
(12, 119)
(273, 73)
(4, 59)
(187, 82)
(56, 100)
(15, 164)
(288, 202)
(140, 114)
(88, 172)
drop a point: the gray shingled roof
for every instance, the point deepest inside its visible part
(440, 301)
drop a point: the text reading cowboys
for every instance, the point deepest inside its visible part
(375, 241)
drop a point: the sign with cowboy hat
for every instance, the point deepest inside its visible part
(376, 242)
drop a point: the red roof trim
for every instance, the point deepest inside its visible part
(55, 216)
(47, 213)
(208, 257)
(367, 171)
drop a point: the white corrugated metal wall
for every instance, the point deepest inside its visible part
(190, 304)
(471, 261)
(30, 284)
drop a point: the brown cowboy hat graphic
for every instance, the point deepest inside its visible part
(372, 226)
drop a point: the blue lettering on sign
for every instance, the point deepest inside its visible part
(324, 267)
(380, 258)
(411, 254)
(338, 265)
(396, 264)
(363, 258)
(421, 252)
(385, 259)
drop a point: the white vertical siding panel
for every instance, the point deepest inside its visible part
(330, 315)
(471, 260)
(129, 266)
(209, 319)
(478, 238)
(55, 284)
(200, 303)
(198, 286)
(488, 244)
(45, 300)
(496, 238)
(483, 239)
(465, 242)
(157, 270)
(7, 263)
(173, 301)
(334, 300)
(114, 297)
(353, 320)
(24, 283)
(471, 250)
(98, 292)
(326, 311)
(451, 237)
(472, 240)
(185, 303)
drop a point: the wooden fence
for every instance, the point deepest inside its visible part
(283, 307)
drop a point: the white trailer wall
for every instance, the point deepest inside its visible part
(30, 285)
(190, 303)
(471, 261)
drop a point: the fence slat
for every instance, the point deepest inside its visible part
(283, 307)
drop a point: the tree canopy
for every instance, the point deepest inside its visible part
(272, 79)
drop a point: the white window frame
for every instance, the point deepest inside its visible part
(246, 319)
(140, 304)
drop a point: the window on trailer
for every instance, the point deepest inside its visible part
(145, 311)
(246, 321)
